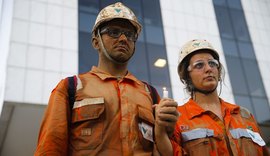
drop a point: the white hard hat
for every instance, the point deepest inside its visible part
(117, 10)
(193, 46)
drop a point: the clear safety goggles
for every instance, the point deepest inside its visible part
(116, 32)
(199, 65)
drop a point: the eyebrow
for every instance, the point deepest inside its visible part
(204, 59)
(119, 27)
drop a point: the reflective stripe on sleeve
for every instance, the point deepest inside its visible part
(197, 133)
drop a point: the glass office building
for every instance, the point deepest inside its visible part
(44, 41)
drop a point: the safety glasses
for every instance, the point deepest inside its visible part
(116, 32)
(199, 65)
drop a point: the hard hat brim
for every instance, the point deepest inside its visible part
(135, 24)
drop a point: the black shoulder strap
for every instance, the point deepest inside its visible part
(153, 92)
(72, 85)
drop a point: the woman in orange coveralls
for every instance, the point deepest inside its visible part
(207, 124)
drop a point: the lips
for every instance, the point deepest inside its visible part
(210, 78)
(122, 48)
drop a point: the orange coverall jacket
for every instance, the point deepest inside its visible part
(200, 132)
(110, 116)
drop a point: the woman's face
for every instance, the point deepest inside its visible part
(203, 71)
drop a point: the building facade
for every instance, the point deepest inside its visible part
(44, 41)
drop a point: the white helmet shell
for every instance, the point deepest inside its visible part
(117, 10)
(193, 46)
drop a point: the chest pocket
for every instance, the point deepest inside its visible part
(146, 128)
(249, 141)
(87, 123)
(197, 141)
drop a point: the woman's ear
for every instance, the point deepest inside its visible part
(95, 43)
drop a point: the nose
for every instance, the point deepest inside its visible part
(207, 67)
(123, 37)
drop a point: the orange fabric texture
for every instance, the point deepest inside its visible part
(104, 122)
(212, 136)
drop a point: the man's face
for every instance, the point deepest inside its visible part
(119, 38)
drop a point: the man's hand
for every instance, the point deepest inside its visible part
(166, 115)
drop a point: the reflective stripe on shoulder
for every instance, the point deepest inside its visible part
(197, 134)
(79, 83)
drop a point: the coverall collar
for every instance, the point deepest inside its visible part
(104, 75)
(197, 110)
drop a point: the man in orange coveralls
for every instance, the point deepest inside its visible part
(208, 125)
(113, 110)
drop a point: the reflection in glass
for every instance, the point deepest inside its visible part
(89, 6)
(154, 35)
(253, 78)
(152, 15)
(86, 21)
(138, 63)
(105, 3)
(159, 76)
(262, 110)
(229, 47)
(244, 101)
(220, 3)
(224, 24)
(237, 77)
(239, 25)
(88, 56)
(246, 50)
(234, 4)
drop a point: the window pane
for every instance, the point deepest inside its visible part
(84, 41)
(229, 47)
(86, 22)
(136, 7)
(244, 101)
(246, 50)
(224, 23)
(239, 25)
(138, 64)
(152, 15)
(105, 3)
(220, 2)
(234, 4)
(237, 77)
(261, 109)
(253, 78)
(154, 35)
(159, 76)
(89, 6)
(88, 56)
